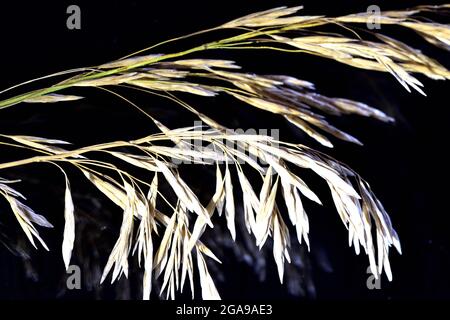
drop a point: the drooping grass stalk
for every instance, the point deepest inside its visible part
(100, 74)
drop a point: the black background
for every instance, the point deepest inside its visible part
(405, 163)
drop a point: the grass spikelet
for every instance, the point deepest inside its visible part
(69, 227)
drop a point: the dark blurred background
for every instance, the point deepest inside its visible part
(406, 163)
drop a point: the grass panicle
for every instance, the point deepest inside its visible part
(179, 255)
